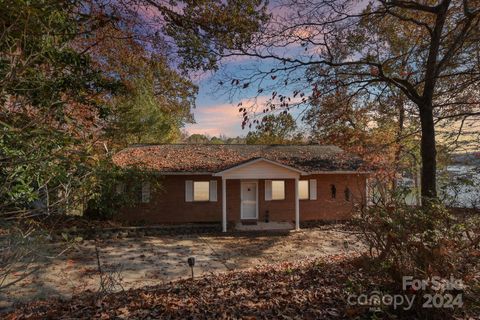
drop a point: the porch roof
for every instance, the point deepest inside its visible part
(202, 158)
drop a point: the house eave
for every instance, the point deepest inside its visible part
(253, 161)
(338, 172)
(183, 173)
(219, 174)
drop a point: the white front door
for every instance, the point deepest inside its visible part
(248, 209)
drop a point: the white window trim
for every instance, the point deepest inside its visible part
(312, 189)
(190, 191)
(241, 197)
(268, 190)
(213, 191)
(284, 190)
(308, 190)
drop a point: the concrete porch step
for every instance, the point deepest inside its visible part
(249, 222)
(264, 226)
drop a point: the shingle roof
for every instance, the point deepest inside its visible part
(169, 158)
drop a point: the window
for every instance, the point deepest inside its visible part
(303, 190)
(278, 190)
(333, 191)
(347, 194)
(201, 191)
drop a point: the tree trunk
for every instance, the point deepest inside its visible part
(399, 101)
(429, 153)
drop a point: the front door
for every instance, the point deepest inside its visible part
(248, 208)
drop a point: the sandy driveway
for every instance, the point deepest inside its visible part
(153, 260)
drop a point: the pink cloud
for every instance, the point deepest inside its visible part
(215, 120)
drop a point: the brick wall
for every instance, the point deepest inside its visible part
(277, 210)
(169, 206)
(326, 208)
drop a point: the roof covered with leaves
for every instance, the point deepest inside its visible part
(211, 158)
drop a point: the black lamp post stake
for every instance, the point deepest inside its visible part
(191, 263)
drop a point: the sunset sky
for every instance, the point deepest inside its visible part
(215, 114)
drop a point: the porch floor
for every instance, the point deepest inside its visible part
(260, 226)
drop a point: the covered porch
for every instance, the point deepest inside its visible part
(260, 192)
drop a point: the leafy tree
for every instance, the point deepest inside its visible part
(426, 51)
(215, 140)
(50, 104)
(154, 109)
(236, 140)
(204, 29)
(275, 129)
(387, 137)
(76, 77)
(203, 139)
(197, 138)
(156, 98)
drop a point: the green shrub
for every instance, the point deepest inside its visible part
(112, 187)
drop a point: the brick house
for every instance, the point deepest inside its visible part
(246, 184)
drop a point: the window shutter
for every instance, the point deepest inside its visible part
(268, 190)
(213, 190)
(146, 192)
(348, 194)
(313, 189)
(120, 188)
(188, 191)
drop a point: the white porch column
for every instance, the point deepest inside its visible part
(224, 204)
(297, 206)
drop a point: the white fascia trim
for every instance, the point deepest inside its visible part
(220, 173)
(217, 174)
(182, 173)
(336, 172)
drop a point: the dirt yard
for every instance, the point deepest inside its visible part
(156, 260)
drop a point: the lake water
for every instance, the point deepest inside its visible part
(458, 186)
(461, 187)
